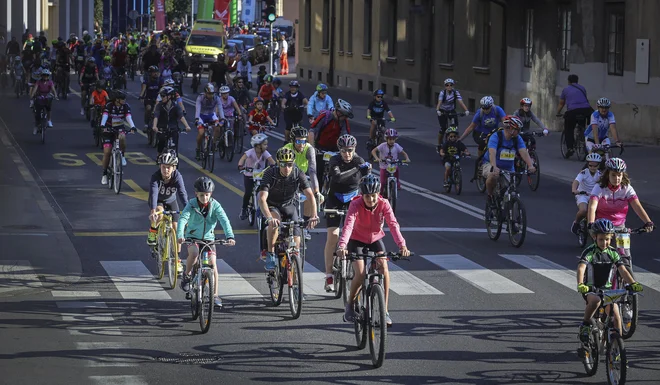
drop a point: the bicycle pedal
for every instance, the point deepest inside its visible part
(188, 296)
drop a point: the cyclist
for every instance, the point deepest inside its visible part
(43, 88)
(149, 93)
(119, 63)
(177, 97)
(602, 120)
(611, 196)
(389, 150)
(219, 72)
(293, 102)
(133, 50)
(63, 62)
(526, 115)
(115, 115)
(485, 121)
(166, 118)
(165, 187)
(319, 101)
(99, 97)
(268, 91)
(327, 128)
(502, 148)
(207, 110)
(89, 75)
(446, 106)
(363, 229)
(197, 221)
(244, 71)
(574, 97)
(230, 108)
(595, 272)
(196, 68)
(450, 148)
(344, 173)
(376, 111)
(585, 182)
(278, 195)
(240, 93)
(256, 158)
(258, 116)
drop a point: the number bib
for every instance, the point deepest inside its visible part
(327, 155)
(623, 241)
(391, 168)
(507, 154)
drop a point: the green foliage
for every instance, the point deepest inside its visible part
(98, 12)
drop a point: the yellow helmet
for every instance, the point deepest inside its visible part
(285, 155)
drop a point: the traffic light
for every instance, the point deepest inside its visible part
(268, 14)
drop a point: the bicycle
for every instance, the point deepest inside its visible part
(274, 110)
(98, 109)
(202, 284)
(579, 147)
(583, 231)
(533, 179)
(254, 213)
(41, 115)
(260, 128)
(207, 148)
(195, 82)
(452, 121)
(391, 190)
(505, 204)
(370, 307)
(379, 136)
(605, 150)
(604, 336)
(166, 251)
(115, 167)
(287, 269)
(228, 145)
(455, 178)
(342, 271)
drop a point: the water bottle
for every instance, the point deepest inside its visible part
(205, 258)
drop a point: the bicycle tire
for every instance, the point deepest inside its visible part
(337, 279)
(161, 246)
(457, 180)
(239, 137)
(534, 179)
(172, 258)
(194, 301)
(515, 204)
(117, 173)
(44, 126)
(360, 323)
(615, 355)
(562, 145)
(583, 233)
(633, 301)
(494, 230)
(210, 158)
(295, 281)
(207, 305)
(347, 281)
(229, 144)
(275, 285)
(392, 194)
(150, 136)
(590, 357)
(203, 153)
(377, 324)
(97, 136)
(251, 213)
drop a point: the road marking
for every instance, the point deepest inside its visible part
(314, 280)
(141, 233)
(81, 305)
(138, 192)
(134, 281)
(74, 294)
(17, 275)
(422, 229)
(110, 354)
(647, 278)
(232, 284)
(403, 282)
(85, 324)
(546, 268)
(476, 275)
(118, 380)
(10, 234)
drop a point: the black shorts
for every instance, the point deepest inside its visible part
(164, 136)
(109, 135)
(172, 206)
(355, 246)
(288, 212)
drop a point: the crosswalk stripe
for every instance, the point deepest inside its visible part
(74, 293)
(546, 268)
(17, 275)
(403, 282)
(232, 284)
(646, 278)
(134, 281)
(313, 280)
(476, 275)
(113, 354)
(83, 324)
(118, 380)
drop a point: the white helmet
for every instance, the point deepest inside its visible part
(168, 157)
(209, 88)
(258, 139)
(224, 90)
(487, 102)
(616, 164)
(594, 157)
(168, 82)
(449, 81)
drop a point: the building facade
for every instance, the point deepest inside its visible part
(505, 48)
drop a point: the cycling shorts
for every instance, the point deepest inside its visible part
(208, 118)
(110, 134)
(173, 206)
(355, 246)
(288, 212)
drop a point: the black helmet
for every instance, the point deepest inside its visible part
(204, 184)
(369, 184)
(299, 132)
(119, 94)
(100, 84)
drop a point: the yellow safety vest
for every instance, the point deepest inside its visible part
(301, 157)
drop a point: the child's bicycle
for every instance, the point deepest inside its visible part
(455, 178)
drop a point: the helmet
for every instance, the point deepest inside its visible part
(277, 81)
(169, 82)
(524, 101)
(91, 60)
(153, 69)
(602, 226)
(512, 121)
(257, 100)
(603, 102)
(294, 83)
(369, 184)
(616, 164)
(285, 155)
(486, 102)
(107, 58)
(346, 141)
(451, 130)
(54, 42)
(244, 59)
(100, 84)
(167, 91)
(449, 81)
(168, 157)
(258, 139)
(204, 184)
(594, 157)
(209, 88)
(224, 90)
(344, 108)
(268, 78)
(17, 59)
(379, 93)
(45, 72)
(321, 87)
(299, 132)
(391, 133)
(119, 94)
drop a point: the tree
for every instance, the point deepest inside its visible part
(175, 8)
(98, 13)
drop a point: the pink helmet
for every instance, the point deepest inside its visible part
(391, 133)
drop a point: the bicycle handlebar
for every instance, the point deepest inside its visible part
(397, 162)
(627, 230)
(581, 193)
(391, 255)
(190, 241)
(335, 211)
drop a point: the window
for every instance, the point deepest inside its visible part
(392, 27)
(483, 57)
(529, 37)
(615, 30)
(565, 36)
(349, 43)
(308, 23)
(448, 42)
(367, 28)
(410, 35)
(341, 25)
(326, 24)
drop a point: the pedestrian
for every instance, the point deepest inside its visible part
(574, 97)
(284, 62)
(276, 56)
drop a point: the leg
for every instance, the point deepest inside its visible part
(372, 127)
(356, 283)
(569, 128)
(383, 181)
(272, 231)
(330, 246)
(491, 178)
(582, 212)
(617, 318)
(447, 168)
(383, 269)
(193, 250)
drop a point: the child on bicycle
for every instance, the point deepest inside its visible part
(526, 115)
(257, 158)
(376, 111)
(363, 229)
(595, 272)
(268, 91)
(391, 150)
(198, 220)
(585, 182)
(601, 122)
(99, 97)
(165, 187)
(451, 147)
(258, 116)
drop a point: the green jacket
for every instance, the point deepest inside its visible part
(197, 226)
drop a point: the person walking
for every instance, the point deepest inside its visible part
(284, 62)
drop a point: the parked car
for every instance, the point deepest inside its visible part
(254, 43)
(240, 49)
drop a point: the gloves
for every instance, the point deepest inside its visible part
(392, 120)
(368, 117)
(582, 288)
(649, 226)
(636, 287)
(590, 225)
(196, 121)
(438, 112)
(467, 112)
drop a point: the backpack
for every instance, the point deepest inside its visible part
(444, 98)
(328, 133)
(500, 139)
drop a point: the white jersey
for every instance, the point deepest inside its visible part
(587, 181)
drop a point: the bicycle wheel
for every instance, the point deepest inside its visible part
(629, 310)
(563, 146)
(194, 300)
(117, 172)
(161, 253)
(534, 179)
(44, 126)
(251, 213)
(97, 136)
(209, 157)
(392, 194)
(221, 149)
(458, 180)
(588, 352)
(360, 324)
(580, 146)
(377, 326)
(516, 222)
(337, 279)
(172, 254)
(616, 360)
(229, 144)
(238, 138)
(347, 281)
(583, 233)
(206, 290)
(295, 281)
(150, 136)
(493, 221)
(275, 285)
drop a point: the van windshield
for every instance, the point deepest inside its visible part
(205, 40)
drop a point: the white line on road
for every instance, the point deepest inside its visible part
(17, 275)
(82, 324)
(232, 284)
(476, 275)
(74, 293)
(110, 354)
(134, 281)
(118, 380)
(405, 283)
(546, 268)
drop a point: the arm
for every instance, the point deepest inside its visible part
(221, 217)
(183, 221)
(374, 154)
(460, 102)
(153, 194)
(468, 130)
(562, 102)
(144, 87)
(349, 224)
(582, 267)
(198, 107)
(311, 160)
(405, 155)
(574, 186)
(614, 133)
(591, 209)
(181, 189)
(241, 162)
(639, 210)
(625, 274)
(536, 120)
(393, 224)
(263, 204)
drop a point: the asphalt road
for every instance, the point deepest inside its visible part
(514, 324)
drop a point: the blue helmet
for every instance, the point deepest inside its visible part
(602, 226)
(379, 93)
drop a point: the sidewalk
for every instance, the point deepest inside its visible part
(37, 254)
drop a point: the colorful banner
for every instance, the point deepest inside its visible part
(205, 9)
(247, 11)
(233, 12)
(221, 11)
(159, 11)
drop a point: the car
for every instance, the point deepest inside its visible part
(232, 55)
(240, 49)
(254, 43)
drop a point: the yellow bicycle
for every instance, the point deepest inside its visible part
(166, 251)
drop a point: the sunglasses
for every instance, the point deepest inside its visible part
(300, 141)
(286, 164)
(448, 85)
(378, 97)
(347, 150)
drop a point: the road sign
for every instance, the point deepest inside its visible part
(133, 14)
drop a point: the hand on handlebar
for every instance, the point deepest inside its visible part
(341, 253)
(404, 251)
(312, 222)
(230, 242)
(582, 288)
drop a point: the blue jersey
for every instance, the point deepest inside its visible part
(505, 151)
(603, 124)
(196, 225)
(486, 123)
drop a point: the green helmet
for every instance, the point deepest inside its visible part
(451, 130)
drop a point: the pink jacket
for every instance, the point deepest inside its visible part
(366, 225)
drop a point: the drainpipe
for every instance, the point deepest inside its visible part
(331, 67)
(503, 55)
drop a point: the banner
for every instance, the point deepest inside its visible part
(159, 11)
(248, 10)
(233, 12)
(221, 11)
(205, 9)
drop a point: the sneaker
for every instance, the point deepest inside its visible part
(585, 332)
(217, 301)
(50, 124)
(270, 261)
(308, 235)
(34, 130)
(388, 320)
(197, 155)
(575, 228)
(349, 313)
(123, 161)
(151, 238)
(329, 284)
(446, 185)
(31, 103)
(104, 180)
(185, 282)
(437, 149)
(146, 127)
(180, 267)
(244, 214)
(82, 111)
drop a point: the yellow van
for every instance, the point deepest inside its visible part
(207, 39)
